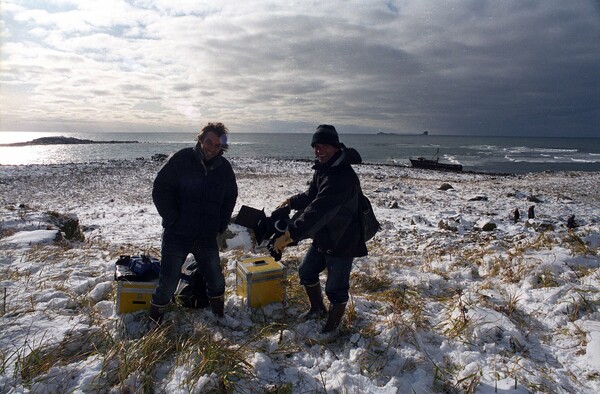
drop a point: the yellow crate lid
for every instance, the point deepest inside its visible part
(259, 265)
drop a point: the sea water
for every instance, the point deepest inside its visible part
(481, 154)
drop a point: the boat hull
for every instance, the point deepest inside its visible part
(435, 165)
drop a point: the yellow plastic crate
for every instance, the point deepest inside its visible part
(261, 281)
(134, 296)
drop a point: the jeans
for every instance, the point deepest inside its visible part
(174, 251)
(338, 273)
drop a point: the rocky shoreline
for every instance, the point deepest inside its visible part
(61, 140)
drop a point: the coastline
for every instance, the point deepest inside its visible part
(62, 140)
(487, 155)
(160, 156)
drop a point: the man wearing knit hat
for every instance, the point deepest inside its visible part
(328, 213)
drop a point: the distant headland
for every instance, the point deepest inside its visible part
(61, 140)
(426, 132)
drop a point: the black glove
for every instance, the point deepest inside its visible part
(281, 213)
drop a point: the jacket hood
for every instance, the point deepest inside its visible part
(351, 156)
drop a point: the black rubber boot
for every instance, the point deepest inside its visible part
(156, 313)
(336, 312)
(317, 307)
(217, 305)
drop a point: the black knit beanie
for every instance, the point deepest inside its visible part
(325, 134)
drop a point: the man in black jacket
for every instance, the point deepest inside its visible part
(194, 192)
(330, 217)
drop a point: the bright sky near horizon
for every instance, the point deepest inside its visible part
(481, 67)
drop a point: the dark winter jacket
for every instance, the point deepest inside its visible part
(195, 199)
(330, 207)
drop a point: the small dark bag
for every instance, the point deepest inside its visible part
(193, 293)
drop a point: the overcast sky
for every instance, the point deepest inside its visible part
(497, 67)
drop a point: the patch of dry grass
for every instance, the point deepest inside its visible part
(203, 354)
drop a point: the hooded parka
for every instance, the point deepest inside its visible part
(330, 207)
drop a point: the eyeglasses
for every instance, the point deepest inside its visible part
(211, 144)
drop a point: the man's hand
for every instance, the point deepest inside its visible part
(282, 241)
(284, 203)
(281, 213)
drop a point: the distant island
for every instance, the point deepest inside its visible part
(61, 140)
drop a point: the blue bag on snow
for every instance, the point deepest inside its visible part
(137, 268)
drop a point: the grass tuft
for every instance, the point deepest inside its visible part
(204, 354)
(577, 246)
(133, 362)
(363, 282)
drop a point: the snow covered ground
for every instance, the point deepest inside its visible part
(454, 296)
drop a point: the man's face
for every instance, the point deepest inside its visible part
(211, 146)
(324, 152)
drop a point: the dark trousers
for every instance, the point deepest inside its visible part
(174, 251)
(338, 273)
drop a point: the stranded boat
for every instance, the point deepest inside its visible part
(434, 164)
